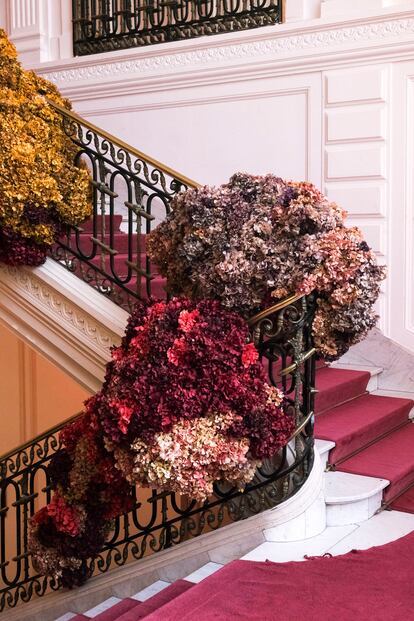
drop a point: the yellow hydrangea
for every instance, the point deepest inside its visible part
(41, 188)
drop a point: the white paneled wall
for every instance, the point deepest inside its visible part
(356, 152)
(401, 224)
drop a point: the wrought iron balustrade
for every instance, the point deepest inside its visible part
(158, 521)
(105, 25)
(131, 194)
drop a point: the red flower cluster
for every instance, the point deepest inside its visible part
(185, 403)
(183, 360)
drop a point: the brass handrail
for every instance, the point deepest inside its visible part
(124, 145)
(276, 307)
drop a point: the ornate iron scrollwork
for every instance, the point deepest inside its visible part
(122, 24)
(131, 193)
(160, 520)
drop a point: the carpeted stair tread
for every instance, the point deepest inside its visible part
(357, 423)
(115, 612)
(120, 242)
(369, 584)
(88, 224)
(336, 386)
(157, 601)
(119, 263)
(391, 458)
(405, 502)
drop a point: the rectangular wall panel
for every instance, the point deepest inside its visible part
(355, 161)
(355, 85)
(359, 199)
(355, 123)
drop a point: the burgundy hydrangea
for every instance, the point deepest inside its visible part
(185, 403)
(16, 250)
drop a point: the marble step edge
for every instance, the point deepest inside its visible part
(344, 488)
(351, 498)
(324, 447)
(374, 372)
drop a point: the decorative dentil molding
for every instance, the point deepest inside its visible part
(61, 309)
(205, 54)
(63, 318)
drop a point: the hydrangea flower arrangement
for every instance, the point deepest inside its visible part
(185, 403)
(41, 189)
(254, 240)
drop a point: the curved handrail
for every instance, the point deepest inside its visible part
(276, 307)
(124, 145)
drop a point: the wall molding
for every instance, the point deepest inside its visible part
(62, 318)
(306, 46)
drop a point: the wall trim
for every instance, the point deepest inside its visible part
(304, 46)
(62, 318)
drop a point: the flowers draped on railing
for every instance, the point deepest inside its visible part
(258, 239)
(41, 187)
(185, 403)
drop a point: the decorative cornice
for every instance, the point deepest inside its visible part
(201, 54)
(72, 327)
(61, 309)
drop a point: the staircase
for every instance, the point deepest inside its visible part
(357, 430)
(372, 435)
(365, 438)
(130, 249)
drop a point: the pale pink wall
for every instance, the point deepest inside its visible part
(34, 394)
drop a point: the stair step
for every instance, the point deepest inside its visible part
(375, 372)
(120, 265)
(351, 498)
(88, 224)
(151, 590)
(116, 610)
(356, 424)
(156, 602)
(404, 502)
(120, 242)
(337, 386)
(391, 458)
(324, 447)
(204, 572)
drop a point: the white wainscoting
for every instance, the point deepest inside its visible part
(401, 229)
(259, 126)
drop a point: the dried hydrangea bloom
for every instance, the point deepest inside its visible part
(255, 240)
(185, 403)
(192, 456)
(41, 188)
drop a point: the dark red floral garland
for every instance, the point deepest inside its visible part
(185, 403)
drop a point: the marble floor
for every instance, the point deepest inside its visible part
(379, 530)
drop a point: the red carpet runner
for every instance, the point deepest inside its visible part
(372, 584)
(373, 434)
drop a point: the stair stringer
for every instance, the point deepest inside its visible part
(220, 546)
(63, 318)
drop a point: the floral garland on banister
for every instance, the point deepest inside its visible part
(185, 400)
(41, 189)
(185, 403)
(255, 240)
